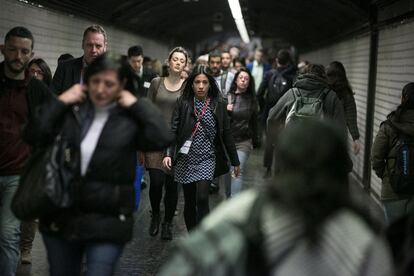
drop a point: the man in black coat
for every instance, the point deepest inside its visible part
(143, 76)
(68, 73)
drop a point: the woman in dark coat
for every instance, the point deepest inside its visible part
(201, 128)
(242, 108)
(339, 83)
(104, 127)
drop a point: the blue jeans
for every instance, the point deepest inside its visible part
(237, 182)
(396, 209)
(65, 257)
(9, 227)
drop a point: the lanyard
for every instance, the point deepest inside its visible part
(199, 116)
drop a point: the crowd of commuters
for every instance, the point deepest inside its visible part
(194, 126)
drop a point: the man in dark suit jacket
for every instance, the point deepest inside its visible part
(70, 72)
(142, 75)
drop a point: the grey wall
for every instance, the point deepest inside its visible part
(56, 33)
(395, 68)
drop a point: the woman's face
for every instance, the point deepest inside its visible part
(238, 66)
(36, 72)
(201, 86)
(242, 81)
(177, 62)
(104, 88)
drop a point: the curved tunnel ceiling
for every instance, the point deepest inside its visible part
(303, 23)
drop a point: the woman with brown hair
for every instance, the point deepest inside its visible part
(339, 83)
(164, 92)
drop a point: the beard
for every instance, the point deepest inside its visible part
(13, 69)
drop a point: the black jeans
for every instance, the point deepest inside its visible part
(159, 179)
(196, 205)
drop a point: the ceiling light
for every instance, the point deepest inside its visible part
(238, 19)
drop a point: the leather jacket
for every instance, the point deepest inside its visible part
(183, 121)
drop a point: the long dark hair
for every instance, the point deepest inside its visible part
(337, 79)
(250, 89)
(213, 91)
(312, 178)
(47, 74)
(407, 102)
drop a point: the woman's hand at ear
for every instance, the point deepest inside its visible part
(75, 94)
(126, 99)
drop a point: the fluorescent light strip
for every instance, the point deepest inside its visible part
(241, 26)
(238, 19)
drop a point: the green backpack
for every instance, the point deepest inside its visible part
(306, 107)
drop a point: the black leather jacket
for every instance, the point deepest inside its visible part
(183, 121)
(243, 121)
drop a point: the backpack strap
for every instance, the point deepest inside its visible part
(296, 92)
(325, 91)
(154, 95)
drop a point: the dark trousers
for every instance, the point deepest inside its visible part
(65, 257)
(158, 180)
(196, 205)
(268, 153)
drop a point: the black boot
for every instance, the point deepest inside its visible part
(155, 225)
(166, 232)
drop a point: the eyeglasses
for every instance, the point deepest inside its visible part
(36, 72)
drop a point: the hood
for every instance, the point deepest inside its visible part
(310, 82)
(406, 122)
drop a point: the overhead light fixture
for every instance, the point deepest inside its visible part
(238, 19)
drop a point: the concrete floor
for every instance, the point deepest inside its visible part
(144, 254)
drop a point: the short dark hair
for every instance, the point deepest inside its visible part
(103, 63)
(135, 51)
(283, 57)
(95, 29)
(65, 57)
(19, 32)
(213, 55)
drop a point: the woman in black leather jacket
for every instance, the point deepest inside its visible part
(201, 128)
(242, 108)
(104, 127)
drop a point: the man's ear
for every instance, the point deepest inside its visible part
(32, 54)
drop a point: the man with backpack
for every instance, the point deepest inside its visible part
(274, 85)
(310, 97)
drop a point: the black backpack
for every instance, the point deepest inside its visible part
(402, 177)
(278, 86)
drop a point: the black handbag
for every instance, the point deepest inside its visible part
(45, 185)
